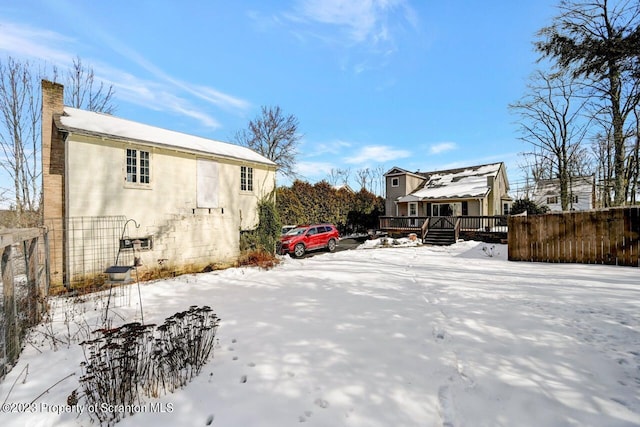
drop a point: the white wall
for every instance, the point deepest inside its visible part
(166, 209)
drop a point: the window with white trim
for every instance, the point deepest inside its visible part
(246, 178)
(138, 166)
(395, 182)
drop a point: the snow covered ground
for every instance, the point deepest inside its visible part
(401, 336)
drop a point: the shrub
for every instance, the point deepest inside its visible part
(266, 235)
(531, 207)
(123, 365)
(258, 258)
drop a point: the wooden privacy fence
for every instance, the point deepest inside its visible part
(610, 236)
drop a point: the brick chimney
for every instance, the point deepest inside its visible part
(53, 171)
(52, 151)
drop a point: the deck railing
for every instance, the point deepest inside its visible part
(487, 224)
(402, 223)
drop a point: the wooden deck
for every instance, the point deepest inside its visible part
(485, 228)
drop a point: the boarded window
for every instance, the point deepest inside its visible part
(207, 184)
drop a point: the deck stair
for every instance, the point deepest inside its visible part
(441, 231)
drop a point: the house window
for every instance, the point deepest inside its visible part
(505, 209)
(552, 200)
(446, 209)
(246, 178)
(574, 199)
(395, 182)
(138, 166)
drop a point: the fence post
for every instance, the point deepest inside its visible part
(31, 263)
(12, 336)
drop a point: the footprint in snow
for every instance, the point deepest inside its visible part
(243, 379)
(438, 333)
(303, 418)
(321, 403)
(210, 419)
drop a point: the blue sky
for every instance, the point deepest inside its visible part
(421, 85)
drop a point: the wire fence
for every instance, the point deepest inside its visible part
(24, 288)
(91, 245)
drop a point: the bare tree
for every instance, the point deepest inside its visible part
(602, 147)
(275, 136)
(598, 40)
(535, 168)
(20, 125)
(551, 122)
(338, 176)
(19, 133)
(634, 160)
(363, 177)
(84, 92)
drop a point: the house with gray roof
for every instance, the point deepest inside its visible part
(423, 201)
(474, 190)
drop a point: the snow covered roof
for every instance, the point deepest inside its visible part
(551, 187)
(455, 183)
(98, 124)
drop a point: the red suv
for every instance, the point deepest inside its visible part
(308, 237)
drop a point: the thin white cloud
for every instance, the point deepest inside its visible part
(331, 147)
(377, 153)
(364, 21)
(314, 170)
(442, 147)
(161, 92)
(205, 93)
(23, 41)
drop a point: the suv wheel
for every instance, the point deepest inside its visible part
(331, 246)
(298, 250)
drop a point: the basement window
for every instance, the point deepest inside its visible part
(141, 243)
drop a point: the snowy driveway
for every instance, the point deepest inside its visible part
(423, 336)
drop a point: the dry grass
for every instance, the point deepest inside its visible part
(99, 282)
(258, 258)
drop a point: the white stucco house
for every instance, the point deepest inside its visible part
(189, 197)
(582, 193)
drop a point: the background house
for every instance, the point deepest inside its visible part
(470, 191)
(189, 196)
(582, 193)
